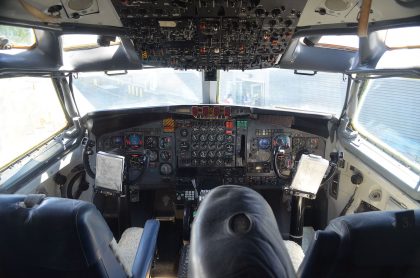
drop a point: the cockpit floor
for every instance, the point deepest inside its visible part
(168, 246)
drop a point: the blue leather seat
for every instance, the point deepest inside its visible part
(55, 237)
(371, 244)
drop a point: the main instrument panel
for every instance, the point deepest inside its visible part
(210, 34)
(211, 148)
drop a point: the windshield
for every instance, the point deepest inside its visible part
(267, 88)
(280, 88)
(143, 88)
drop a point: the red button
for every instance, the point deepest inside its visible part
(229, 125)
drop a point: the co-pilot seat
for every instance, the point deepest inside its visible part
(235, 234)
(55, 237)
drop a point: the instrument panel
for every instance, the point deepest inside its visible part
(256, 150)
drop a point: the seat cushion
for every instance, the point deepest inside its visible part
(126, 248)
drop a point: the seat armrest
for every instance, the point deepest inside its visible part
(146, 250)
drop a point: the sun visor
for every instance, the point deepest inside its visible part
(46, 51)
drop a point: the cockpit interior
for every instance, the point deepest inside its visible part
(209, 138)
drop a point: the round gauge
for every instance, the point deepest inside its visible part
(210, 162)
(133, 140)
(184, 132)
(264, 143)
(151, 142)
(203, 145)
(229, 139)
(135, 161)
(284, 165)
(195, 129)
(165, 155)
(212, 137)
(219, 154)
(184, 146)
(194, 154)
(153, 155)
(220, 138)
(195, 146)
(211, 154)
(203, 128)
(212, 146)
(117, 140)
(313, 143)
(165, 142)
(282, 141)
(203, 162)
(219, 162)
(203, 154)
(212, 129)
(194, 137)
(229, 148)
(165, 169)
(298, 143)
(221, 129)
(220, 146)
(203, 137)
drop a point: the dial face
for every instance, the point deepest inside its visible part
(151, 142)
(203, 137)
(220, 138)
(165, 142)
(229, 148)
(313, 143)
(184, 132)
(203, 154)
(211, 154)
(282, 141)
(165, 155)
(135, 161)
(134, 140)
(166, 169)
(299, 143)
(194, 154)
(212, 137)
(195, 129)
(264, 143)
(195, 137)
(219, 154)
(153, 155)
(117, 140)
(284, 164)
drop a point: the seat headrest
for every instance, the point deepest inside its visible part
(381, 238)
(235, 234)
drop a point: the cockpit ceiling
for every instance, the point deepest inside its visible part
(203, 34)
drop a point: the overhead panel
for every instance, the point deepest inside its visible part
(210, 34)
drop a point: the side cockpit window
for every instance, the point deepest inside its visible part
(388, 116)
(31, 114)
